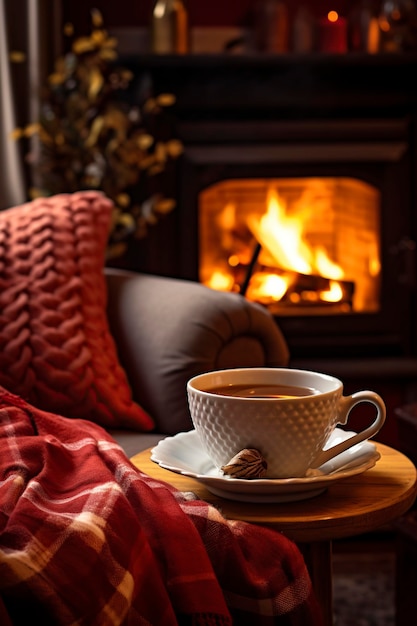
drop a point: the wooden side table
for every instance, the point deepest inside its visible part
(349, 507)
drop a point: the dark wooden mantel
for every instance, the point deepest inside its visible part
(291, 84)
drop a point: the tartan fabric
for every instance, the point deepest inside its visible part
(87, 539)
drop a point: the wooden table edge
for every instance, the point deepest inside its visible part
(341, 511)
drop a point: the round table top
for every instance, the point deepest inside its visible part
(350, 506)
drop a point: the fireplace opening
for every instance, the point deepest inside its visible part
(300, 246)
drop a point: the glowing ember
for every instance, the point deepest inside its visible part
(267, 287)
(334, 294)
(221, 281)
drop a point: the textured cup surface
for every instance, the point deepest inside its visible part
(289, 432)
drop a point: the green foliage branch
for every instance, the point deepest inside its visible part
(90, 137)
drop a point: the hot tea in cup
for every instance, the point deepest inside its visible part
(263, 391)
(284, 415)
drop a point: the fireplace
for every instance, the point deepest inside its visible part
(330, 141)
(299, 246)
(330, 138)
(358, 215)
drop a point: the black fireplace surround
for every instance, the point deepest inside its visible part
(271, 116)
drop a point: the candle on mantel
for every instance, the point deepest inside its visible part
(332, 33)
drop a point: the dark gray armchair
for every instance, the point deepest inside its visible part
(168, 330)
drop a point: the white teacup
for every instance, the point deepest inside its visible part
(285, 414)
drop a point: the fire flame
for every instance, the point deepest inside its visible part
(311, 243)
(282, 236)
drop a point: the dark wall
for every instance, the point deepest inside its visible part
(214, 13)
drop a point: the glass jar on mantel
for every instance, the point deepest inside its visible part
(169, 27)
(271, 26)
(364, 28)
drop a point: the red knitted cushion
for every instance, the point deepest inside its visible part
(56, 350)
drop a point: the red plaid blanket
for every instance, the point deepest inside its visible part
(87, 539)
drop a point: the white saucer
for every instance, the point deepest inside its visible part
(183, 454)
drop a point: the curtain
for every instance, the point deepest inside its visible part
(31, 27)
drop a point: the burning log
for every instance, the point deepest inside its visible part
(312, 290)
(302, 290)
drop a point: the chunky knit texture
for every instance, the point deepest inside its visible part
(56, 350)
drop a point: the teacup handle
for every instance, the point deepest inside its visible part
(346, 405)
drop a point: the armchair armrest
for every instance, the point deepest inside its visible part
(167, 330)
